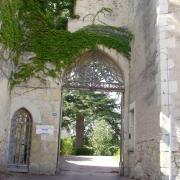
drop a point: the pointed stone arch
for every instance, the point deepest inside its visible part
(121, 65)
(22, 102)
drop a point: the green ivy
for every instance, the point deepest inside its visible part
(10, 31)
(29, 26)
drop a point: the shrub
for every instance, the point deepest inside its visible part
(85, 150)
(67, 146)
(115, 150)
(117, 154)
(102, 138)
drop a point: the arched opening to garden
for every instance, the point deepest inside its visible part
(93, 93)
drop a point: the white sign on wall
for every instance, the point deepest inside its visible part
(44, 129)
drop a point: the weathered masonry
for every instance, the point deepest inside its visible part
(151, 104)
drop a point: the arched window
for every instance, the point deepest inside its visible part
(20, 141)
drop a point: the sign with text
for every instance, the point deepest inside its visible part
(44, 129)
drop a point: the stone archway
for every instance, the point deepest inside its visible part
(120, 65)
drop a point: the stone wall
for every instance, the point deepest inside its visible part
(4, 123)
(118, 17)
(164, 43)
(43, 103)
(156, 48)
(44, 106)
(151, 96)
(170, 66)
(4, 107)
(144, 160)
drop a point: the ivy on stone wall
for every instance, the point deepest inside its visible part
(10, 31)
(39, 26)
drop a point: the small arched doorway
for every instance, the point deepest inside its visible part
(20, 141)
(97, 71)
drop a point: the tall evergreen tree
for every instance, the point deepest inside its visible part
(82, 108)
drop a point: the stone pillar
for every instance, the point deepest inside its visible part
(168, 86)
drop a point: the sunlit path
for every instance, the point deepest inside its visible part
(78, 168)
(89, 164)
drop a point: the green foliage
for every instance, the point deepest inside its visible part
(93, 106)
(102, 137)
(58, 12)
(67, 146)
(39, 26)
(85, 150)
(10, 30)
(114, 150)
(100, 114)
(117, 154)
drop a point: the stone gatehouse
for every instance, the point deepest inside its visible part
(152, 93)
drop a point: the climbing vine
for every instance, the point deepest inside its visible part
(40, 26)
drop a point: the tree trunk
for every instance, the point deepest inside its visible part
(80, 130)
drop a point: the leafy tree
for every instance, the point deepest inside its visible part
(76, 108)
(102, 137)
(90, 106)
(57, 12)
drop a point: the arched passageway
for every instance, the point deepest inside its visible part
(98, 71)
